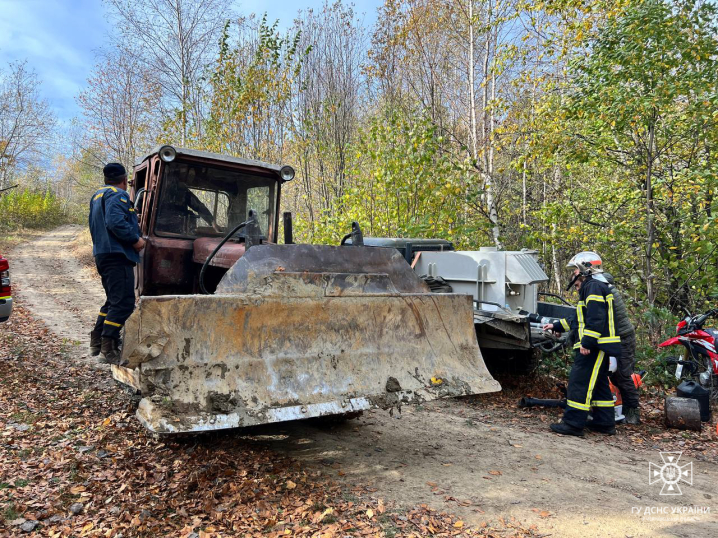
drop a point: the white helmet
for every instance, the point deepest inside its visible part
(587, 262)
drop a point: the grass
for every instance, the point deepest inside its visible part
(9, 513)
(24, 417)
(14, 237)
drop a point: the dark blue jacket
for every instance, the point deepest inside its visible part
(113, 223)
(594, 323)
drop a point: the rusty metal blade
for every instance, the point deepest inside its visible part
(286, 344)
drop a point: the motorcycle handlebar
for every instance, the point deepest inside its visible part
(700, 320)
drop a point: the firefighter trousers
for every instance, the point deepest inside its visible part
(622, 376)
(118, 281)
(588, 388)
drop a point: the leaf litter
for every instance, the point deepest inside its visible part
(75, 462)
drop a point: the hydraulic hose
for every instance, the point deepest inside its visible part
(216, 249)
(533, 402)
(550, 347)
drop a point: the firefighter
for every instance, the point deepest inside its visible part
(621, 378)
(597, 339)
(116, 244)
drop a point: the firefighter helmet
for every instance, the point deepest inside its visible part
(587, 262)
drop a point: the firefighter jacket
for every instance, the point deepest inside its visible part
(113, 223)
(594, 325)
(624, 327)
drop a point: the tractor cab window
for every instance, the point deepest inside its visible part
(198, 200)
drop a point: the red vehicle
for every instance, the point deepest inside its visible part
(700, 358)
(5, 290)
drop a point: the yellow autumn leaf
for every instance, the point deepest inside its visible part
(370, 513)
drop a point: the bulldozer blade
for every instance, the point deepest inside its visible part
(300, 331)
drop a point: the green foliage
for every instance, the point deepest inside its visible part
(30, 209)
(658, 371)
(401, 184)
(634, 134)
(250, 86)
(556, 364)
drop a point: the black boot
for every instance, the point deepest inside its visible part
(110, 351)
(95, 343)
(565, 429)
(633, 416)
(601, 428)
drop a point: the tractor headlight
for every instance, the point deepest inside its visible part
(286, 172)
(167, 153)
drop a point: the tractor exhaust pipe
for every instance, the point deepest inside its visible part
(288, 232)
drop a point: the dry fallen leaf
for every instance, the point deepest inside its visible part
(370, 513)
(291, 485)
(459, 524)
(495, 473)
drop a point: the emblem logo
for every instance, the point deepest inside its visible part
(670, 473)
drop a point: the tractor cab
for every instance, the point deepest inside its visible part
(187, 201)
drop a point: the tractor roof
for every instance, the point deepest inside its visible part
(208, 155)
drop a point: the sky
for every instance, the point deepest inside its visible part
(59, 39)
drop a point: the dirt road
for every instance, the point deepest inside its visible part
(476, 458)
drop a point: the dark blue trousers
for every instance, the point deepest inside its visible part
(118, 280)
(588, 388)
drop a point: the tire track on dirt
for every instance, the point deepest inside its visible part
(57, 288)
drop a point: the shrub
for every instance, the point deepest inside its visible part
(30, 209)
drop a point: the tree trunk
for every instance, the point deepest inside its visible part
(554, 256)
(650, 231)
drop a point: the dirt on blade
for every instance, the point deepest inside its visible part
(482, 459)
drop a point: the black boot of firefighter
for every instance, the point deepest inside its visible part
(565, 429)
(633, 416)
(601, 428)
(110, 351)
(95, 343)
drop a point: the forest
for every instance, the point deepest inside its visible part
(559, 126)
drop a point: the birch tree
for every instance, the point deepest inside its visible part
(176, 40)
(118, 106)
(26, 121)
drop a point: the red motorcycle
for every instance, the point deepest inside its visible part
(700, 358)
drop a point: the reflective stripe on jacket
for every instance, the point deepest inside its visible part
(594, 324)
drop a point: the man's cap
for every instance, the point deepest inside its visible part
(114, 171)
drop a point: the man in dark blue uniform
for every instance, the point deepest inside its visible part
(597, 340)
(116, 243)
